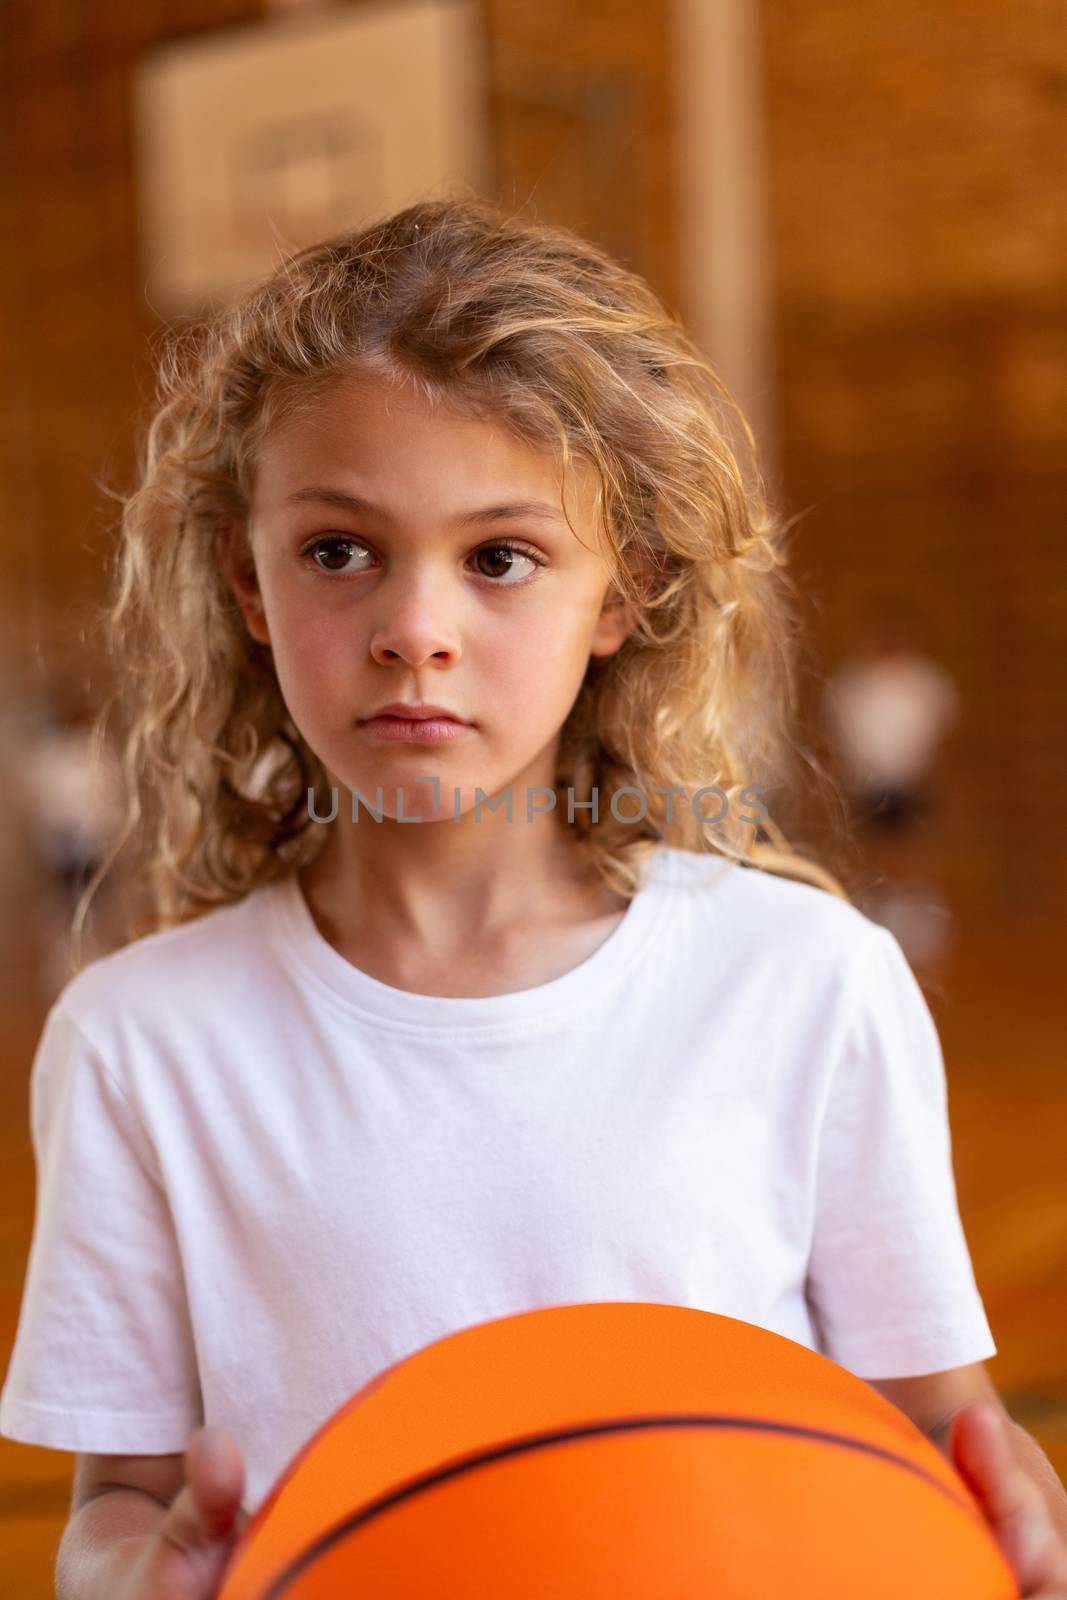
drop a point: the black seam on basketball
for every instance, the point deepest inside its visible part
(538, 1441)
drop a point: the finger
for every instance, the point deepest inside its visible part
(205, 1510)
(1013, 1504)
(981, 1451)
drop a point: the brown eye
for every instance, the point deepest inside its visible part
(333, 546)
(502, 557)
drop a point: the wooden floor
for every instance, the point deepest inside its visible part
(1000, 1008)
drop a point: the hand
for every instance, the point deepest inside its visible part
(184, 1559)
(1018, 1516)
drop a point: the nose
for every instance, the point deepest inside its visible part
(414, 624)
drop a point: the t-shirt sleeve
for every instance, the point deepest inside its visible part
(890, 1279)
(104, 1357)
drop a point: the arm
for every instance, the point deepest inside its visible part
(1005, 1468)
(153, 1527)
(1018, 1490)
(1035, 1464)
(1027, 1456)
(101, 1542)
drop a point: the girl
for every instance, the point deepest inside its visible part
(475, 976)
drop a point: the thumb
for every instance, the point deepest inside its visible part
(206, 1508)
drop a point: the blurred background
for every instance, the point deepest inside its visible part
(860, 218)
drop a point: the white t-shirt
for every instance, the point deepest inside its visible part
(264, 1175)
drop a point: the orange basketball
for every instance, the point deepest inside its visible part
(627, 1449)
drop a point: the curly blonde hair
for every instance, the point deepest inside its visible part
(490, 314)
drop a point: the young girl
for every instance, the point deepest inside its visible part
(456, 661)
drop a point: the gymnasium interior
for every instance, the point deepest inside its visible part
(859, 214)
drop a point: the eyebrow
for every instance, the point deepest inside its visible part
(353, 502)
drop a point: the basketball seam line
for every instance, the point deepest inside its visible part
(536, 1441)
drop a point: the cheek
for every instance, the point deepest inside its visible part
(313, 652)
(540, 649)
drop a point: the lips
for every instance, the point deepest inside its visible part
(386, 726)
(415, 712)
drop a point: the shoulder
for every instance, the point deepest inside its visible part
(776, 943)
(212, 965)
(767, 907)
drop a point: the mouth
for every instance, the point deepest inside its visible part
(417, 711)
(428, 729)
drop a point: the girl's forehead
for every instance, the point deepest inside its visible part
(339, 410)
(367, 425)
(353, 392)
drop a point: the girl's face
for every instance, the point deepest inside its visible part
(378, 533)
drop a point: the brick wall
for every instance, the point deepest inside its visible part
(922, 318)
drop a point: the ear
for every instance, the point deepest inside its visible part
(614, 625)
(238, 568)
